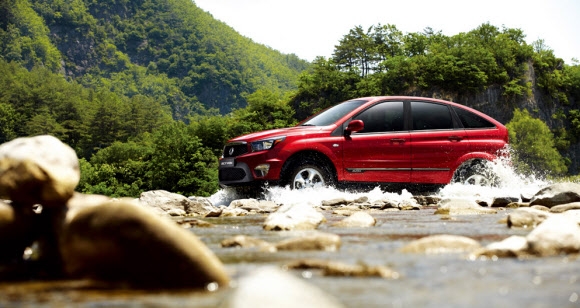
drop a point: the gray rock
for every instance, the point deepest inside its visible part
(443, 243)
(272, 287)
(38, 170)
(335, 202)
(294, 217)
(503, 201)
(556, 194)
(526, 218)
(356, 220)
(558, 234)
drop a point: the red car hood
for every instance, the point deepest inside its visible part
(296, 130)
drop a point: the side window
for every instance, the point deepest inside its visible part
(472, 120)
(383, 117)
(428, 116)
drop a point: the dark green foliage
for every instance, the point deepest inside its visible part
(533, 145)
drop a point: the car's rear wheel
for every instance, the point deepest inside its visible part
(310, 175)
(477, 173)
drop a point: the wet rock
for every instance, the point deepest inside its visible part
(119, 241)
(334, 202)
(526, 218)
(272, 287)
(313, 241)
(565, 207)
(556, 235)
(333, 268)
(38, 170)
(294, 217)
(258, 206)
(356, 220)
(556, 194)
(503, 201)
(458, 206)
(189, 223)
(408, 205)
(233, 212)
(243, 241)
(441, 244)
(510, 247)
(427, 200)
(342, 212)
(167, 203)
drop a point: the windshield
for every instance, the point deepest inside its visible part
(330, 115)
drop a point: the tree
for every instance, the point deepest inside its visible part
(533, 145)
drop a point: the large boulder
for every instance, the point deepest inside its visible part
(118, 241)
(38, 170)
(558, 234)
(556, 194)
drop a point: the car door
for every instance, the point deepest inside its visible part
(437, 142)
(381, 151)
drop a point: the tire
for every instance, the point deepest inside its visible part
(478, 173)
(310, 175)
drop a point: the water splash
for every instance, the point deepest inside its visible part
(510, 184)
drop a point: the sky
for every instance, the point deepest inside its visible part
(311, 28)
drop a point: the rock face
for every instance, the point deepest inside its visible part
(556, 194)
(120, 241)
(38, 170)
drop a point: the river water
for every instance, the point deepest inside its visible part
(443, 280)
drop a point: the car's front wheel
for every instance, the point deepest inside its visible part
(309, 175)
(479, 173)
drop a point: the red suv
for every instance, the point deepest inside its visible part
(389, 139)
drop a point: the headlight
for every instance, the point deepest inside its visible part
(266, 144)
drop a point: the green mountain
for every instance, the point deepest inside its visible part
(117, 44)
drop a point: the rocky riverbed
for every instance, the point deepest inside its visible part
(516, 245)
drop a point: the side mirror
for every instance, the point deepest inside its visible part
(354, 126)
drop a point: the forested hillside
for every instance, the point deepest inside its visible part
(147, 91)
(104, 45)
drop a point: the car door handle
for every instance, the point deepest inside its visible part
(398, 140)
(455, 138)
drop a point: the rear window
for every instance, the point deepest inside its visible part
(472, 120)
(427, 116)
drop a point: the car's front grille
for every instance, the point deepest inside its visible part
(235, 149)
(231, 174)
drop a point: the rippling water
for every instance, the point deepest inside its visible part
(446, 280)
